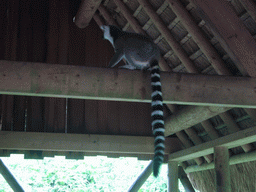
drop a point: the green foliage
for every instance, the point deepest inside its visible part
(93, 174)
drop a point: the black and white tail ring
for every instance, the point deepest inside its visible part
(157, 118)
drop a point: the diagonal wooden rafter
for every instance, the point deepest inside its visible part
(200, 39)
(86, 11)
(230, 32)
(178, 50)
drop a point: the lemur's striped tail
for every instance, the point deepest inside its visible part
(157, 117)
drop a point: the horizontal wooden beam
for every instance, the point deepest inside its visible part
(82, 143)
(236, 159)
(230, 141)
(47, 80)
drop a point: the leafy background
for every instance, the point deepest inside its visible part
(93, 174)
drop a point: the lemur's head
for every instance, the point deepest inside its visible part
(110, 32)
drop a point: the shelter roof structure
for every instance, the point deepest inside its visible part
(59, 98)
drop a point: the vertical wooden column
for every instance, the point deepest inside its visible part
(221, 159)
(173, 176)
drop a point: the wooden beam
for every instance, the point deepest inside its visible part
(63, 81)
(190, 116)
(222, 172)
(236, 159)
(229, 141)
(230, 32)
(85, 12)
(142, 178)
(10, 178)
(82, 143)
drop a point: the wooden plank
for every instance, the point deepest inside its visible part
(82, 143)
(19, 113)
(24, 51)
(65, 17)
(35, 115)
(37, 79)
(7, 112)
(3, 27)
(55, 115)
(229, 141)
(76, 116)
(91, 113)
(12, 30)
(39, 16)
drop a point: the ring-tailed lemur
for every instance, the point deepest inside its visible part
(140, 52)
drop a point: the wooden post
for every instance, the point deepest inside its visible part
(173, 176)
(221, 159)
(142, 178)
(10, 178)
